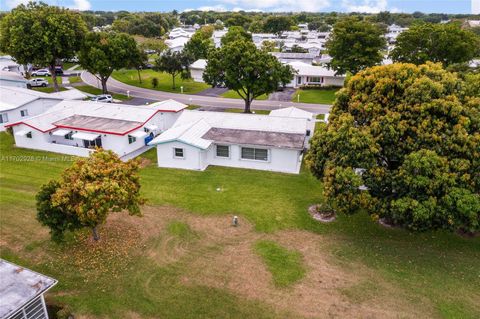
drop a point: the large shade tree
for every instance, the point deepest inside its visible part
(200, 43)
(174, 63)
(104, 52)
(354, 45)
(88, 192)
(445, 43)
(235, 34)
(42, 35)
(250, 72)
(403, 143)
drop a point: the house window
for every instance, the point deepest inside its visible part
(299, 80)
(3, 118)
(28, 135)
(131, 139)
(258, 154)
(308, 132)
(69, 136)
(23, 113)
(223, 151)
(178, 152)
(315, 79)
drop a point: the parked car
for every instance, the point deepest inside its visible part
(38, 82)
(106, 98)
(41, 72)
(58, 70)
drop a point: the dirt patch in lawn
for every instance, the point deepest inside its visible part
(222, 256)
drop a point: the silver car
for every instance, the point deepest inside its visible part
(105, 98)
(38, 82)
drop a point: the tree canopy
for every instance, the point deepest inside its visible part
(88, 192)
(277, 24)
(200, 43)
(234, 34)
(250, 72)
(104, 52)
(445, 43)
(174, 63)
(42, 35)
(403, 143)
(355, 45)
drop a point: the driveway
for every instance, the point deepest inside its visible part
(214, 102)
(285, 95)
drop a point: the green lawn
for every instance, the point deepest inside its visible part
(234, 95)
(164, 81)
(265, 112)
(95, 91)
(435, 272)
(318, 96)
(48, 89)
(68, 65)
(74, 79)
(286, 266)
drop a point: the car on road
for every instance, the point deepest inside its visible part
(58, 70)
(106, 98)
(41, 72)
(38, 82)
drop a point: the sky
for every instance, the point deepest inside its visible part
(372, 6)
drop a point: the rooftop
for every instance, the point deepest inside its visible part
(97, 124)
(19, 286)
(13, 97)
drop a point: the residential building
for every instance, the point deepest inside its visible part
(201, 138)
(78, 127)
(17, 104)
(177, 44)
(311, 75)
(286, 57)
(22, 292)
(9, 78)
(197, 68)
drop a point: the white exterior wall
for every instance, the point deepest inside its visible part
(327, 81)
(197, 75)
(34, 108)
(279, 160)
(14, 83)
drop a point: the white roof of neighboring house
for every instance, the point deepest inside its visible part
(12, 76)
(311, 70)
(19, 286)
(177, 42)
(292, 112)
(200, 64)
(117, 119)
(191, 126)
(71, 94)
(14, 97)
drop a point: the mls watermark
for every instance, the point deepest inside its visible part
(38, 158)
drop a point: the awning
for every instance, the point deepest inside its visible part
(86, 136)
(61, 132)
(138, 134)
(22, 133)
(151, 127)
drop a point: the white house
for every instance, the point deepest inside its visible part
(201, 138)
(77, 127)
(9, 78)
(21, 292)
(17, 103)
(307, 74)
(286, 57)
(177, 44)
(197, 68)
(8, 64)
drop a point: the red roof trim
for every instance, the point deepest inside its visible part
(18, 123)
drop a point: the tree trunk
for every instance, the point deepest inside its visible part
(26, 73)
(104, 85)
(96, 237)
(139, 76)
(248, 102)
(173, 80)
(54, 77)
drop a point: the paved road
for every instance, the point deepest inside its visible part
(207, 101)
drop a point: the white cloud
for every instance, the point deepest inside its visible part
(81, 5)
(366, 6)
(279, 5)
(13, 3)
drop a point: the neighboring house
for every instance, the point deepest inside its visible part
(180, 32)
(17, 104)
(311, 75)
(286, 57)
(393, 31)
(293, 112)
(177, 44)
(21, 292)
(77, 127)
(217, 37)
(201, 138)
(8, 78)
(8, 64)
(197, 68)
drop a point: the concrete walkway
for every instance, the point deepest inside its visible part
(214, 102)
(136, 153)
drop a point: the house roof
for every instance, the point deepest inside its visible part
(177, 42)
(291, 55)
(193, 127)
(11, 76)
(292, 112)
(14, 97)
(199, 64)
(311, 70)
(19, 286)
(99, 117)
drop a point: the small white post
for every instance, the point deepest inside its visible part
(298, 97)
(181, 89)
(128, 94)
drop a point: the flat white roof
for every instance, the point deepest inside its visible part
(199, 64)
(138, 134)
(18, 286)
(292, 112)
(85, 136)
(13, 97)
(61, 132)
(311, 70)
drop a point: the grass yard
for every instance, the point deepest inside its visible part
(74, 79)
(96, 91)
(318, 96)
(68, 65)
(183, 259)
(234, 95)
(164, 81)
(48, 89)
(264, 112)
